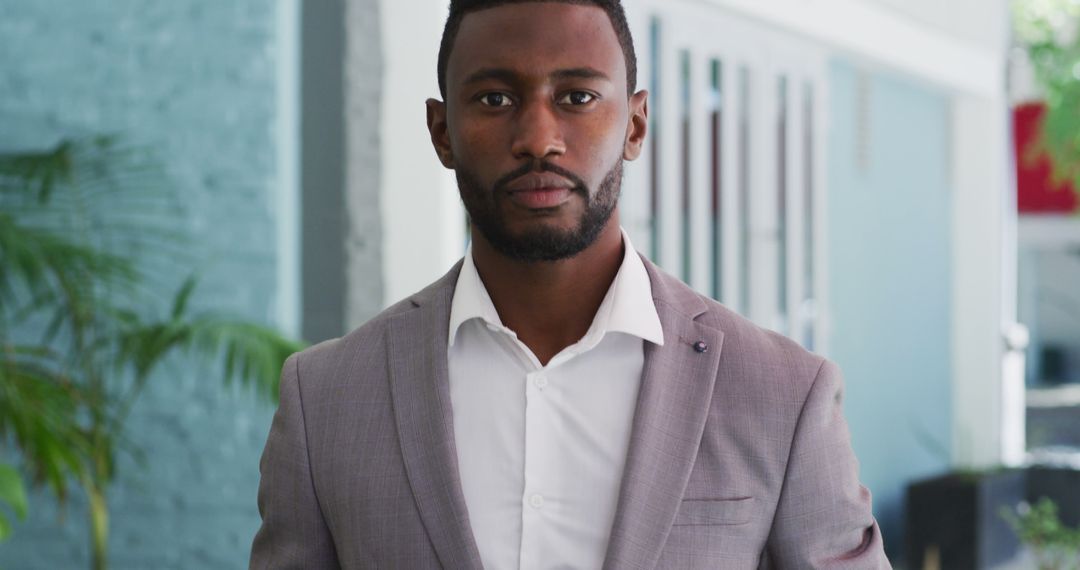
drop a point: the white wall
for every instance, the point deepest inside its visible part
(981, 23)
(958, 47)
(423, 221)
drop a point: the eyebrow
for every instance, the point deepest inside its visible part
(508, 76)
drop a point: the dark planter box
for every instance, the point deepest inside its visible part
(957, 519)
(1061, 485)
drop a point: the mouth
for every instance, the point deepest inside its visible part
(540, 198)
(536, 191)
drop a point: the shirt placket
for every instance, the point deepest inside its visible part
(537, 499)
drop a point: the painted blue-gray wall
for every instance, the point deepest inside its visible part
(889, 212)
(195, 81)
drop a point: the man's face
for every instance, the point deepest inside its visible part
(536, 125)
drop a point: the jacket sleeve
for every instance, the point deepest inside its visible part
(823, 519)
(293, 532)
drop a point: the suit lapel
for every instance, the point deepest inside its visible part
(419, 386)
(673, 404)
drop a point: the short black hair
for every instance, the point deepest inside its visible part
(460, 8)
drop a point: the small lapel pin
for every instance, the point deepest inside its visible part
(701, 347)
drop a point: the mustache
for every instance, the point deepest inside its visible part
(504, 181)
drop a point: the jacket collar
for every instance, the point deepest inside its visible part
(628, 307)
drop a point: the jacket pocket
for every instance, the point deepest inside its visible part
(706, 512)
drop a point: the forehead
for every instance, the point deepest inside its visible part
(534, 39)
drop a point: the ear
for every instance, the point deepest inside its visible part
(440, 137)
(637, 125)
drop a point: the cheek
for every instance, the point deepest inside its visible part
(605, 130)
(599, 142)
(475, 139)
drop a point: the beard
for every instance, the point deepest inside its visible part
(541, 243)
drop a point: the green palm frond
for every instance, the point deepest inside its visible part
(12, 494)
(49, 268)
(99, 193)
(39, 411)
(251, 353)
(40, 172)
(90, 235)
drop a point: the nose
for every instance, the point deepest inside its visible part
(538, 134)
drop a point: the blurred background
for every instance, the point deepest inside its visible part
(191, 190)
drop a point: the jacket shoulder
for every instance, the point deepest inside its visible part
(749, 350)
(366, 344)
(754, 344)
(367, 340)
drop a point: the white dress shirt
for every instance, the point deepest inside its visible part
(541, 449)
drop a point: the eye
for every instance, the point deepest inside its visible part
(495, 100)
(577, 98)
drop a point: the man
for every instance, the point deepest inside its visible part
(556, 401)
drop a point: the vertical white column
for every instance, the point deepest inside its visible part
(423, 222)
(981, 414)
(1015, 335)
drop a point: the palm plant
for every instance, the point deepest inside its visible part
(88, 235)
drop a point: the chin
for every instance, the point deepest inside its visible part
(542, 227)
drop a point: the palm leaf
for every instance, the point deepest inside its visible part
(251, 353)
(13, 494)
(41, 263)
(254, 354)
(84, 229)
(39, 411)
(38, 171)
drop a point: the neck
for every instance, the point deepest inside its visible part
(550, 304)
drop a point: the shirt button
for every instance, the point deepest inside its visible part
(536, 501)
(540, 381)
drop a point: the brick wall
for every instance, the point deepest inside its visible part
(196, 81)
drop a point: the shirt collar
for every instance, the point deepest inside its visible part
(628, 306)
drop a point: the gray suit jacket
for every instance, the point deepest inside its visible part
(739, 456)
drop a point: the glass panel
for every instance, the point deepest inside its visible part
(781, 204)
(744, 189)
(1049, 304)
(716, 154)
